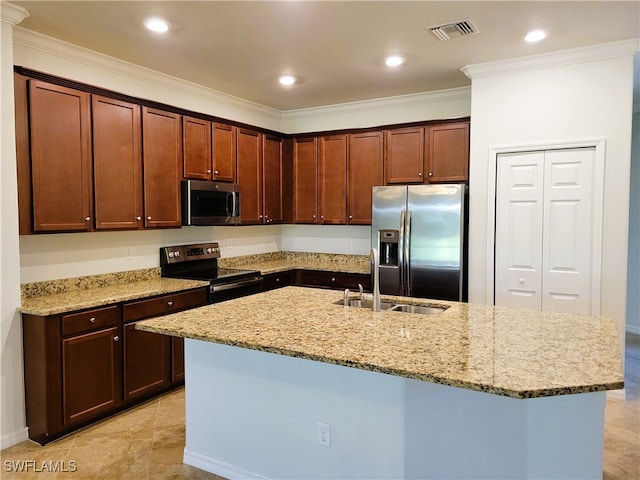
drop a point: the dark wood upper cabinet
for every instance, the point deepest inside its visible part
(249, 175)
(448, 152)
(162, 167)
(272, 179)
(305, 180)
(60, 122)
(117, 164)
(366, 155)
(196, 145)
(405, 156)
(332, 169)
(224, 152)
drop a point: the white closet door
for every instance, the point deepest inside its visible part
(519, 209)
(544, 230)
(567, 230)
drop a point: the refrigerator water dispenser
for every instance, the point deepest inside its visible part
(389, 247)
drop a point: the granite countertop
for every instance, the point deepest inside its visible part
(281, 261)
(503, 351)
(80, 298)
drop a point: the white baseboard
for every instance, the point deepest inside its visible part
(632, 329)
(217, 467)
(11, 439)
(616, 394)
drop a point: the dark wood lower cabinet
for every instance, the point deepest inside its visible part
(82, 366)
(92, 374)
(147, 362)
(337, 280)
(177, 359)
(316, 278)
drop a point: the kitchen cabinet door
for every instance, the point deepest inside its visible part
(249, 175)
(146, 362)
(117, 164)
(364, 172)
(224, 152)
(332, 169)
(60, 123)
(196, 148)
(305, 180)
(91, 374)
(405, 156)
(272, 179)
(448, 152)
(162, 167)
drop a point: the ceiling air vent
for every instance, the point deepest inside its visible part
(452, 30)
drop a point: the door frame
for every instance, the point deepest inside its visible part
(597, 214)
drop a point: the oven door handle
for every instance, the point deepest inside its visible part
(228, 286)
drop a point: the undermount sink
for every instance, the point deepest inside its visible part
(422, 309)
(395, 307)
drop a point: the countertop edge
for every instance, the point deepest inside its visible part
(505, 392)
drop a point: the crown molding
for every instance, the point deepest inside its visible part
(399, 101)
(555, 59)
(52, 46)
(11, 13)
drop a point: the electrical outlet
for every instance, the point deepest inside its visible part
(324, 434)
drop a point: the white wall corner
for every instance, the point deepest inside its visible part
(554, 59)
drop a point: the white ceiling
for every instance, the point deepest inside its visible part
(336, 49)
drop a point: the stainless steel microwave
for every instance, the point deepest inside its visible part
(210, 203)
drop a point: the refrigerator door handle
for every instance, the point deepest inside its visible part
(401, 263)
(407, 254)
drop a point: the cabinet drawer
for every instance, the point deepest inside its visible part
(277, 280)
(89, 320)
(336, 280)
(163, 305)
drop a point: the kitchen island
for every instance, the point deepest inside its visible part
(475, 392)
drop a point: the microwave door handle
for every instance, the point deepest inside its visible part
(234, 211)
(231, 201)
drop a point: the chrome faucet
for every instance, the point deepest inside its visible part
(346, 297)
(361, 288)
(375, 267)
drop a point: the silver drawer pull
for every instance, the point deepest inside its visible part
(92, 320)
(170, 304)
(116, 338)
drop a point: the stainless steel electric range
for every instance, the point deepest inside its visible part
(200, 262)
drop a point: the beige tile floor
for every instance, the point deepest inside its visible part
(147, 442)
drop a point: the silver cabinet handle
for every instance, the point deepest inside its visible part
(92, 320)
(138, 218)
(170, 304)
(430, 174)
(333, 279)
(215, 171)
(86, 219)
(209, 170)
(350, 217)
(419, 174)
(116, 338)
(149, 217)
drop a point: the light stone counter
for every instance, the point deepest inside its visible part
(280, 261)
(60, 296)
(503, 351)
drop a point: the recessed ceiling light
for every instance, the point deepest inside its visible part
(394, 61)
(287, 80)
(535, 35)
(157, 25)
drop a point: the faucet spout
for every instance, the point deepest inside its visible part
(375, 271)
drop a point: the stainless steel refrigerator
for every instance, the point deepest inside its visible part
(420, 234)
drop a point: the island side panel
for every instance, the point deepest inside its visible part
(255, 414)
